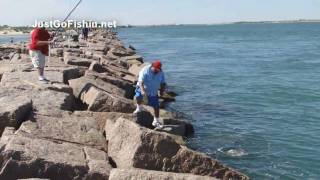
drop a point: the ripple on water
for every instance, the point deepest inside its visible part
(233, 152)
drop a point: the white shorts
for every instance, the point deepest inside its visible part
(38, 59)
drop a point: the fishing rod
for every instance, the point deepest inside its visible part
(66, 18)
(70, 13)
(72, 10)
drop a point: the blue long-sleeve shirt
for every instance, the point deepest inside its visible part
(151, 81)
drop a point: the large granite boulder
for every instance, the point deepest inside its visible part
(128, 61)
(173, 123)
(72, 73)
(134, 57)
(135, 69)
(28, 156)
(82, 130)
(81, 84)
(132, 146)
(121, 51)
(101, 101)
(76, 61)
(140, 174)
(126, 85)
(51, 103)
(17, 78)
(57, 52)
(97, 67)
(45, 102)
(29, 79)
(14, 110)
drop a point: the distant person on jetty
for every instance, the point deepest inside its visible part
(85, 32)
(38, 49)
(151, 79)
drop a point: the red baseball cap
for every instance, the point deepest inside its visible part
(157, 65)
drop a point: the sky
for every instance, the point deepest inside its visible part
(150, 12)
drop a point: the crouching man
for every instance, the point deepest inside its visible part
(151, 79)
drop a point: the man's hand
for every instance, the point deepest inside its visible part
(161, 93)
(162, 89)
(143, 92)
(54, 39)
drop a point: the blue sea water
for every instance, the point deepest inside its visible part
(5, 39)
(252, 92)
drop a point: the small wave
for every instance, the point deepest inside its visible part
(233, 152)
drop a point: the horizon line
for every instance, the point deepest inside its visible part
(217, 23)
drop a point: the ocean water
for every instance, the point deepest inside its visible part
(5, 39)
(252, 91)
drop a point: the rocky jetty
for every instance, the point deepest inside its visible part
(80, 125)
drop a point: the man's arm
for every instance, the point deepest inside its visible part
(41, 43)
(143, 91)
(141, 78)
(162, 85)
(162, 88)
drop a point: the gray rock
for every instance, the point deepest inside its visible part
(101, 101)
(29, 156)
(100, 48)
(29, 78)
(18, 78)
(98, 163)
(81, 130)
(73, 50)
(131, 47)
(72, 73)
(173, 129)
(135, 69)
(140, 174)
(88, 53)
(177, 126)
(132, 146)
(117, 70)
(134, 57)
(132, 62)
(121, 51)
(57, 52)
(82, 84)
(76, 61)
(52, 103)
(125, 85)
(97, 67)
(14, 110)
(44, 101)
(73, 45)
(15, 57)
(111, 56)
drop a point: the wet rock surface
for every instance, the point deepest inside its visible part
(80, 124)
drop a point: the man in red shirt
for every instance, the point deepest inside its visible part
(38, 49)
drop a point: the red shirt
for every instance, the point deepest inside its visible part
(39, 34)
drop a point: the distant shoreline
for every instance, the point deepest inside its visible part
(25, 30)
(228, 23)
(11, 33)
